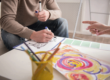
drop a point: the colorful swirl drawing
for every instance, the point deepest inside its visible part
(75, 66)
(79, 75)
(73, 63)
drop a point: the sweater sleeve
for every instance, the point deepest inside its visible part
(8, 19)
(54, 9)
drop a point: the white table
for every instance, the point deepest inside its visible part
(16, 64)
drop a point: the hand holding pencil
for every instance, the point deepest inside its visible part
(42, 36)
(43, 15)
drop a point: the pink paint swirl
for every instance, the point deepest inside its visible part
(73, 63)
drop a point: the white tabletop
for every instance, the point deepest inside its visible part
(16, 64)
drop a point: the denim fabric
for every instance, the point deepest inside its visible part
(11, 40)
(59, 27)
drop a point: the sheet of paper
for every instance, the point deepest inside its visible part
(74, 64)
(41, 46)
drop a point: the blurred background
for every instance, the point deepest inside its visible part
(94, 10)
(76, 11)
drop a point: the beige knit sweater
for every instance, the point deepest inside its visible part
(17, 14)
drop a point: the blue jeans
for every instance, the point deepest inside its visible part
(59, 27)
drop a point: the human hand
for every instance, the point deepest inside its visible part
(43, 15)
(106, 31)
(42, 35)
(96, 27)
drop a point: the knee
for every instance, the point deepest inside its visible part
(62, 21)
(63, 24)
(10, 40)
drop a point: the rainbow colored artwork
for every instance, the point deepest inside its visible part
(76, 66)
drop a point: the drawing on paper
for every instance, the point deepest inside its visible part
(38, 45)
(77, 66)
(35, 44)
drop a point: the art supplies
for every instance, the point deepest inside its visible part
(40, 6)
(44, 56)
(56, 50)
(32, 52)
(29, 53)
(54, 39)
(51, 56)
(74, 64)
(41, 68)
(35, 47)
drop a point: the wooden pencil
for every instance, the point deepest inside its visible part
(53, 54)
(54, 51)
(44, 56)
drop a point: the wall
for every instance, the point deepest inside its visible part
(0, 9)
(99, 12)
(69, 10)
(96, 10)
(0, 17)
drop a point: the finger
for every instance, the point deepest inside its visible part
(92, 31)
(103, 32)
(46, 39)
(89, 22)
(36, 14)
(48, 32)
(96, 30)
(42, 18)
(89, 27)
(41, 13)
(49, 36)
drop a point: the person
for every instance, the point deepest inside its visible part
(19, 21)
(97, 28)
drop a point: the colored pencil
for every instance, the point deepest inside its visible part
(44, 56)
(54, 51)
(32, 52)
(29, 53)
(53, 54)
(34, 55)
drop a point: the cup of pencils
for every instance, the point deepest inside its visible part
(42, 70)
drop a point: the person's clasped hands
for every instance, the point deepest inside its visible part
(97, 28)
